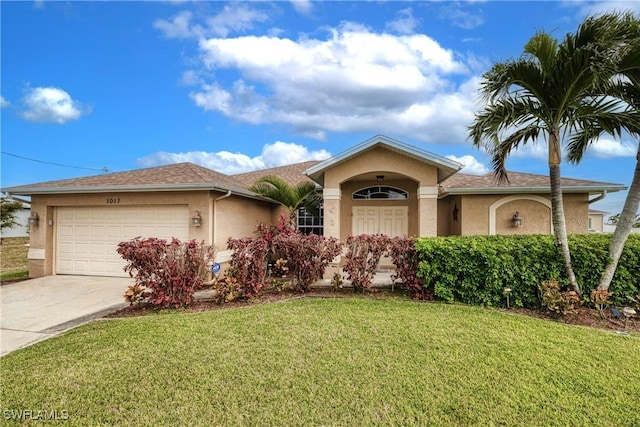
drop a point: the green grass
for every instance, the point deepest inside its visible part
(13, 258)
(337, 361)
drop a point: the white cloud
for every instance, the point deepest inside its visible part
(51, 104)
(460, 17)
(589, 8)
(276, 154)
(235, 18)
(178, 27)
(4, 102)
(302, 6)
(605, 148)
(405, 23)
(353, 81)
(471, 165)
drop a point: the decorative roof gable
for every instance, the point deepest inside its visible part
(444, 166)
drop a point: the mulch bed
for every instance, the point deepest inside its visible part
(583, 316)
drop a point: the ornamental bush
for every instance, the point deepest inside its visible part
(404, 255)
(167, 273)
(363, 256)
(476, 269)
(306, 257)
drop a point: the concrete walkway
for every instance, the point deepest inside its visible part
(36, 309)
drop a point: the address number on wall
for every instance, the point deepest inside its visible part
(113, 200)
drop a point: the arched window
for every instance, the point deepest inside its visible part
(380, 192)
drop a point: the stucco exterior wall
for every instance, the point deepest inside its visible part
(237, 217)
(475, 214)
(447, 224)
(380, 160)
(596, 222)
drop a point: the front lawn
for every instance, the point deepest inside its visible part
(13, 258)
(331, 361)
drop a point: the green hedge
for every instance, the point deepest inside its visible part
(475, 269)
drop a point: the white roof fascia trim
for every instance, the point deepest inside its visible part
(521, 190)
(434, 158)
(131, 189)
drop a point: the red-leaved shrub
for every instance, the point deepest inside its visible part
(308, 256)
(171, 270)
(249, 260)
(404, 255)
(363, 257)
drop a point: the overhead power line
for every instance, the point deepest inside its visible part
(103, 170)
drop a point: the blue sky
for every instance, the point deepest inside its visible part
(242, 86)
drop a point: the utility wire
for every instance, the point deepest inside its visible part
(103, 170)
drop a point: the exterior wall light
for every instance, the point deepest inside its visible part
(34, 219)
(517, 220)
(380, 178)
(196, 219)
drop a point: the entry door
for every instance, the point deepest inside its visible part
(391, 221)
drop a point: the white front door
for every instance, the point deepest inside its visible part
(391, 221)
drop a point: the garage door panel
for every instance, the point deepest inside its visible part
(87, 237)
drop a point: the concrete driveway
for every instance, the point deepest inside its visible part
(36, 309)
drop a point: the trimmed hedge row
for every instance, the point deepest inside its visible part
(475, 269)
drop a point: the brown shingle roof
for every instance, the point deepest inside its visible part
(291, 174)
(184, 174)
(517, 180)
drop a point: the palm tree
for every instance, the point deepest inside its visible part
(303, 194)
(551, 90)
(624, 64)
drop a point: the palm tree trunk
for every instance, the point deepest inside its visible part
(557, 210)
(623, 227)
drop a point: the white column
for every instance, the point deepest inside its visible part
(428, 211)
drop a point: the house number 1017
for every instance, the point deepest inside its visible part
(113, 200)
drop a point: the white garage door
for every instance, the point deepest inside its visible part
(87, 237)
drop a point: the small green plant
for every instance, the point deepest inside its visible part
(227, 289)
(336, 281)
(600, 298)
(135, 294)
(557, 301)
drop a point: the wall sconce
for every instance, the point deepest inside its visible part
(380, 178)
(196, 219)
(517, 220)
(34, 219)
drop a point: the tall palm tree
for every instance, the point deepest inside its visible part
(292, 197)
(551, 90)
(624, 65)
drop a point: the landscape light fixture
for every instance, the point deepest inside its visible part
(34, 219)
(517, 219)
(196, 219)
(380, 178)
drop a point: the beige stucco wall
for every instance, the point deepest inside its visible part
(380, 160)
(447, 226)
(596, 221)
(236, 216)
(475, 217)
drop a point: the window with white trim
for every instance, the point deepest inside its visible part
(378, 192)
(308, 224)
